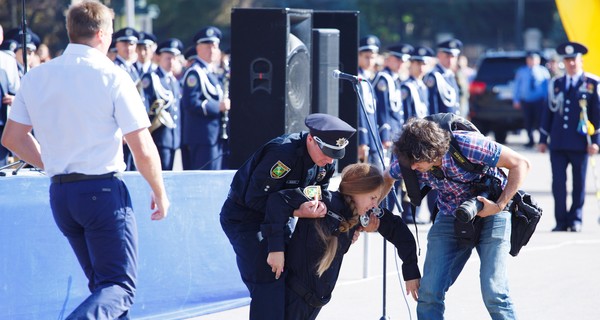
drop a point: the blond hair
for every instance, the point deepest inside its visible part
(86, 18)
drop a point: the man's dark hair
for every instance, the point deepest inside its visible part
(421, 140)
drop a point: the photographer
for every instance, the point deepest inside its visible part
(424, 147)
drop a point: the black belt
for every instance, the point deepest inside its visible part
(308, 296)
(75, 177)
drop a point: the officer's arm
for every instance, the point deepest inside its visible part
(195, 99)
(264, 180)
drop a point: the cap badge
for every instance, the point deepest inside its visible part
(569, 49)
(422, 51)
(371, 41)
(128, 32)
(173, 44)
(210, 32)
(453, 44)
(341, 142)
(279, 170)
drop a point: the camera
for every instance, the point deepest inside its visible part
(489, 187)
(468, 209)
(364, 219)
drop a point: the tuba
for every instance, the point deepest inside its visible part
(159, 108)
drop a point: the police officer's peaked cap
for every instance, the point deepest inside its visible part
(401, 50)
(421, 53)
(172, 45)
(331, 133)
(190, 53)
(208, 34)
(112, 47)
(126, 34)
(571, 49)
(9, 46)
(369, 43)
(452, 46)
(32, 40)
(147, 39)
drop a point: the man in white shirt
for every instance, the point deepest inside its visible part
(9, 84)
(80, 119)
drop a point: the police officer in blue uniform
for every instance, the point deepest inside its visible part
(161, 96)
(390, 115)
(444, 94)
(414, 93)
(367, 144)
(289, 161)
(572, 98)
(32, 41)
(146, 46)
(202, 103)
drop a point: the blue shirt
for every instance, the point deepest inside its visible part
(531, 84)
(455, 188)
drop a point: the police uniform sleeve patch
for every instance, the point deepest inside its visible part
(146, 82)
(430, 81)
(404, 92)
(279, 170)
(313, 192)
(192, 80)
(382, 85)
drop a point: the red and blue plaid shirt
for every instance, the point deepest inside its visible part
(455, 188)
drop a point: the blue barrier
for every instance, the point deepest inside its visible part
(186, 264)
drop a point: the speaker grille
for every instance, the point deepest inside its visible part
(298, 85)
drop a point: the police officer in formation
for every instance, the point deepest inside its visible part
(202, 103)
(443, 90)
(162, 96)
(145, 49)
(126, 41)
(570, 123)
(9, 84)
(390, 115)
(287, 162)
(32, 41)
(367, 118)
(413, 91)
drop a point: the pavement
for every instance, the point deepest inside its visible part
(556, 276)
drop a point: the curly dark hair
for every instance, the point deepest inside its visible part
(421, 140)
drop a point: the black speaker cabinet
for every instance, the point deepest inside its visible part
(347, 23)
(270, 77)
(326, 59)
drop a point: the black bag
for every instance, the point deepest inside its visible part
(525, 216)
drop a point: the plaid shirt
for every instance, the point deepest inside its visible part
(455, 188)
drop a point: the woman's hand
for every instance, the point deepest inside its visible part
(412, 288)
(276, 260)
(311, 209)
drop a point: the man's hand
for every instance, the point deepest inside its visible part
(489, 207)
(160, 207)
(311, 209)
(592, 149)
(276, 260)
(542, 147)
(355, 236)
(8, 99)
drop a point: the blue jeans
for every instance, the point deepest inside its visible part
(446, 258)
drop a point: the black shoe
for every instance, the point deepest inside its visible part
(559, 229)
(530, 145)
(575, 228)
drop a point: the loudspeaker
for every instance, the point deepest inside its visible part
(270, 77)
(347, 23)
(326, 59)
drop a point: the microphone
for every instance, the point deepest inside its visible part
(337, 74)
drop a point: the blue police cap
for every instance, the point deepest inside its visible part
(421, 53)
(190, 53)
(452, 46)
(32, 40)
(112, 47)
(571, 49)
(9, 46)
(147, 39)
(172, 45)
(369, 43)
(127, 35)
(401, 50)
(331, 133)
(208, 34)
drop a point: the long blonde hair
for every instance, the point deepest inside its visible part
(359, 178)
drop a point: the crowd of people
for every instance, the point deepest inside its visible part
(135, 108)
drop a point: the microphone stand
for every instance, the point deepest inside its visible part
(378, 145)
(24, 36)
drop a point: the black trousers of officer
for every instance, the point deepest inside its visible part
(267, 293)
(531, 117)
(560, 161)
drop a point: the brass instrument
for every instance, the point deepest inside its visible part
(161, 115)
(225, 114)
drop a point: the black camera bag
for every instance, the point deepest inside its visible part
(525, 216)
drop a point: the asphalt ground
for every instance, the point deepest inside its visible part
(556, 276)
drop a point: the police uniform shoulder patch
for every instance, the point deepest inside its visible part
(146, 82)
(404, 92)
(382, 84)
(191, 80)
(313, 192)
(430, 80)
(279, 170)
